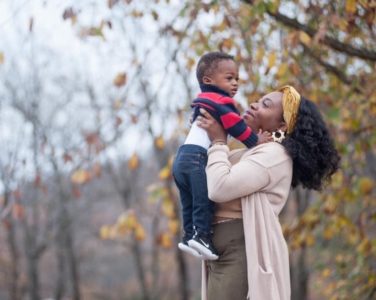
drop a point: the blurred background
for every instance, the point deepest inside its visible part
(94, 101)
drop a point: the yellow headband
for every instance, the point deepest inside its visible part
(290, 104)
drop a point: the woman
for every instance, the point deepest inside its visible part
(250, 188)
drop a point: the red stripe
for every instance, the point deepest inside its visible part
(205, 106)
(217, 98)
(230, 119)
(244, 135)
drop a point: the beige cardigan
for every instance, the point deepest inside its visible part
(261, 177)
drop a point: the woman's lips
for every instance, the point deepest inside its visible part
(249, 114)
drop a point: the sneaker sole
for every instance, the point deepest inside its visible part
(189, 250)
(207, 254)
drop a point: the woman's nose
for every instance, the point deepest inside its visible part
(254, 106)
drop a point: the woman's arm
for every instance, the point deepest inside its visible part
(228, 182)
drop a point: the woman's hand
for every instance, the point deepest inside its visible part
(213, 128)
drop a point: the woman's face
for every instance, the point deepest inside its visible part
(266, 113)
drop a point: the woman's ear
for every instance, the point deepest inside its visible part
(206, 80)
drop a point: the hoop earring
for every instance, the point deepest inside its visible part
(278, 136)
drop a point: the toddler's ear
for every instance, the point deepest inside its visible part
(207, 80)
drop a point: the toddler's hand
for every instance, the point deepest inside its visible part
(264, 137)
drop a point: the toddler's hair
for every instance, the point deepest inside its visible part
(208, 63)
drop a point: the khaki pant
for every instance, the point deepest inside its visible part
(227, 276)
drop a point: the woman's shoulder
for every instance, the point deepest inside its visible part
(268, 154)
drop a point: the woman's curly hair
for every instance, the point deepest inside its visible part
(315, 159)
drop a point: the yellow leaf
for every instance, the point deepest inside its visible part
(330, 205)
(137, 14)
(139, 233)
(190, 63)
(159, 143)
(227, 43)
(80, 176)
(133, 162)
(328, 233)
(304, 38)
(165, 240)
(272, 59)
(164, 173)
(326, 272)
(173, 226)
(282, 70)
(365, 246)
(122, 224)
(350, 6)
(168, 208)
(310, 240)
(131, 220)
(113, 232)
(120, 79)
(104, 232)
(260, 54)
(366, 185)
(1, 58)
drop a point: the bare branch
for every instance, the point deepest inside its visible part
(327, 40)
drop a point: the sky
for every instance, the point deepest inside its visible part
(55, 54)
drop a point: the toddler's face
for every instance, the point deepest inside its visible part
(225, 76)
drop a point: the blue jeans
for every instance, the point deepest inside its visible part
(190, 177)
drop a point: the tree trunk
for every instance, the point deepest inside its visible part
(60, 280)
(32, 271)
(183, 274)
(72, 263)
(136, 251)
(14, 254)
(299, 270)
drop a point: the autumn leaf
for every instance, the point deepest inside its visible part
(139, 233)
(133, 162)
(104, 232)
(168, 208)
(173, 226)
(69, 13)
(350, 6)
(18, 211)
(118, 121)
(67, 157)
(165, 240)
(155, 15)
(120, 79)
(134, 119)
(272, 59)
(1, 58)
(366, 185)
(304, 38)
(159, 143)
(282, 70)
(326, 273)
(165, 173)
(80, 176)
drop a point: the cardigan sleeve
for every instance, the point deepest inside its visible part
(228, 182)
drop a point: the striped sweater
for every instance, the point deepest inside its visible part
(222, 107)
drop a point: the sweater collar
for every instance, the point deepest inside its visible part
(208, 88)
